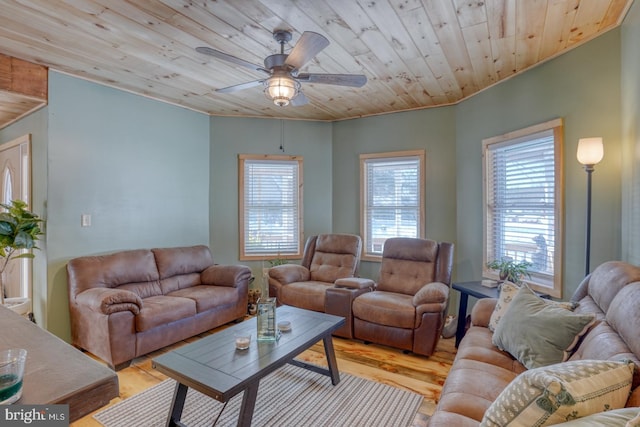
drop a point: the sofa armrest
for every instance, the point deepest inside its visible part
(225, 275)
(434, 292)
(289, 273)
(355, 283)
(109, 300)
(482, 310)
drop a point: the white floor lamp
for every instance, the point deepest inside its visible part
(590, 153)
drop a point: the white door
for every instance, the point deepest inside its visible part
(15, 183)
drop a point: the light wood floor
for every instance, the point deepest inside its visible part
(422, 375)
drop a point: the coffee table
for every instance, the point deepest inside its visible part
(214, 367)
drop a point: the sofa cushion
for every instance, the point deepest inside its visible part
(386, 308)
(625, 417)
(133, 270)
(161, 310)
(508, 291)
(307, 295)
(608, 279)
(208, 297)
(537, 333)
(407, 265)
(477, 346)
(184, 260)
(336, 256)
(472, 386)
(558, 393)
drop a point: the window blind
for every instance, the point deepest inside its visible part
(392, 200)
(271, 207)
(521, 199)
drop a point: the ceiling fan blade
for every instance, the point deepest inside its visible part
(308, 46)
(241, 86)
(353, 80)
(230, 58)
(299, 100)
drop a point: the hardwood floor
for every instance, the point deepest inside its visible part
(422, 375)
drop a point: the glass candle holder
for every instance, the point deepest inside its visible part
(243, 340)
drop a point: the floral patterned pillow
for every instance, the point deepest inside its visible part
(562, 392)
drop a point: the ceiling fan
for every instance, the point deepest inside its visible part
(282, 85)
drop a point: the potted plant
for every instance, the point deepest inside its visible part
(510, 270)
(19, 229)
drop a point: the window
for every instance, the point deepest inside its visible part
(392, 202)
(523, 202)
(270, 198)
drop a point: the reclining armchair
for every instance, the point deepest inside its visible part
(409, 304)
(326, 258)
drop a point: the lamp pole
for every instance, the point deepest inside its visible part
(589, 169)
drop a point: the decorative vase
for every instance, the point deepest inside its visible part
(267, 319)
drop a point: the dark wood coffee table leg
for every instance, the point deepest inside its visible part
(248, 405)
(334, 373)
(175, 413)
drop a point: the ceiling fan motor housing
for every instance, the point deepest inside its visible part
(274, 61)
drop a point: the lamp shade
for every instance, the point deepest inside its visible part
(281, 89)
(590, 151)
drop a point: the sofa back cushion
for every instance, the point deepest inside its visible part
(180, 268)
(612, 291)
(336, 256)
(133, 270)
(407, 264)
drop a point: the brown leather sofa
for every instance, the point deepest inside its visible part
(481, 371)
(407, 308)
(326, 258)
(130, 303)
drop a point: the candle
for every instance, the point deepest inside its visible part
(243, 341)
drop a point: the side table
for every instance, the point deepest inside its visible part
(475, 289)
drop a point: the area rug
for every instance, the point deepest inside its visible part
(291, 396)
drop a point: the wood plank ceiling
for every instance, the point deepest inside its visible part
(415, 53)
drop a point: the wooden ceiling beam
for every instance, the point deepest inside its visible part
(23, 78)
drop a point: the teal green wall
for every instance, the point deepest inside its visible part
(233, 136)
(432, 130)
(582, 87)
(631, 135)
(138, 166)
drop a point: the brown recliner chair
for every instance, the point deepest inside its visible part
(326, 258)
(409, 305)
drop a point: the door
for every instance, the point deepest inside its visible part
(15, 183)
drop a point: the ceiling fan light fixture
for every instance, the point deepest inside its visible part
(281, 89)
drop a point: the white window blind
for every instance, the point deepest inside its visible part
(521, 203)
(392, 201)
(271, 207)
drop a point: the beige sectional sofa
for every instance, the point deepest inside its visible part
(127, 304)
(481, 371)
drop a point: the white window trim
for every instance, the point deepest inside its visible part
(363, 192)
(241, 190)
(553, 289)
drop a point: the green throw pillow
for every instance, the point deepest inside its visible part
(562, 392)
(508, 291)
(537, 333)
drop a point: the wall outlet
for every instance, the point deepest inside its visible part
(85, 220)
